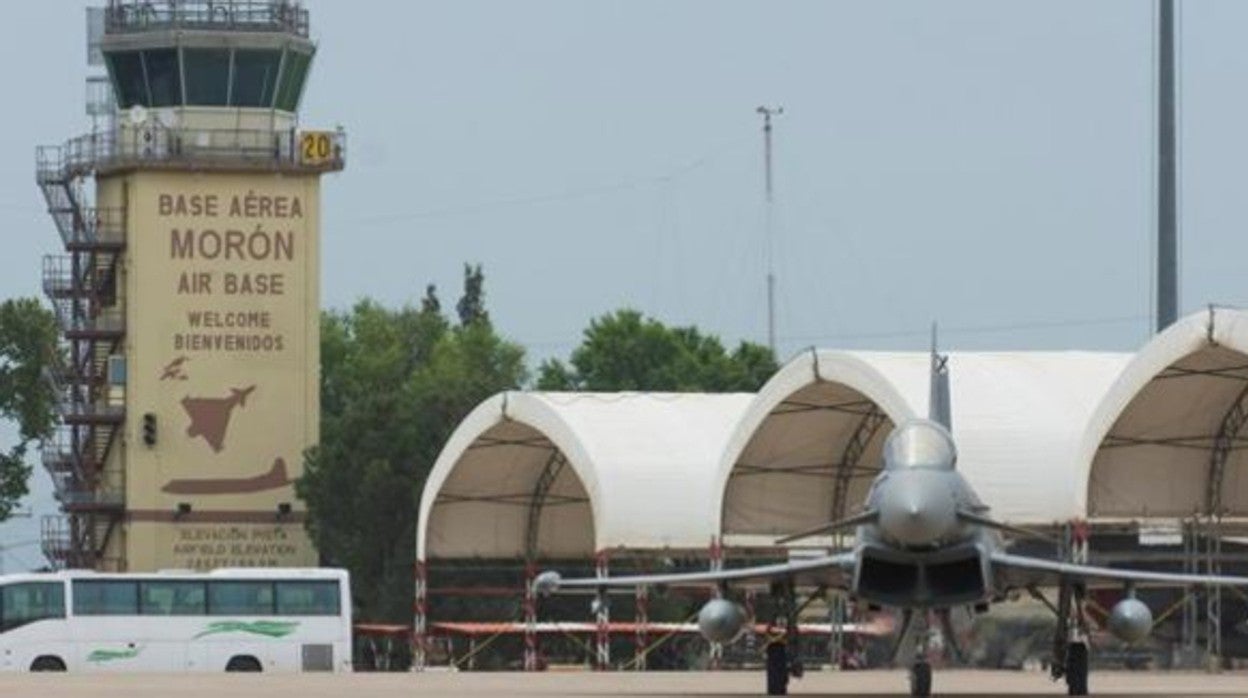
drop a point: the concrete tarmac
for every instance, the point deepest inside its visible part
(441, 683)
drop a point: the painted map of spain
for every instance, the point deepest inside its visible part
(210, 417)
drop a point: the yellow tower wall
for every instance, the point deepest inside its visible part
(221, 294)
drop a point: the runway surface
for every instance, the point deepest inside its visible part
(950, 683)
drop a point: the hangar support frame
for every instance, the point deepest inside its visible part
(537, 500)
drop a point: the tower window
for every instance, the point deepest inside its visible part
(127, 70)
(255, 78)
(207, 76)
(163, 77)
(293, 75)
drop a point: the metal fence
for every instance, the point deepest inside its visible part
(128, 16)
(189, 148)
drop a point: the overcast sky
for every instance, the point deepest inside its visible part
(986, 164)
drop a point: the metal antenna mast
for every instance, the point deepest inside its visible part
(1167, 172)
(769, 232)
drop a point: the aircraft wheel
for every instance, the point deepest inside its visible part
(921, 679)
(1077, 669)
(777, 669)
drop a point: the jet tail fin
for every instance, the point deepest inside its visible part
(240, 395)
(939, 409)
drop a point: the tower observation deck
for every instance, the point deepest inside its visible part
(188, 292)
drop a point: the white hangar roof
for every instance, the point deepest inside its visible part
(1167, 439)
(806, 449)
(569, 474)
(1043, 437)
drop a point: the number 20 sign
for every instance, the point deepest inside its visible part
(316, 147)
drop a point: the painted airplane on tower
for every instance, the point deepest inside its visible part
(924, 544)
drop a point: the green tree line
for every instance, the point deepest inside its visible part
(28, 347)
(395, 382)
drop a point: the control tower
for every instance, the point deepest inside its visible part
(188, 294)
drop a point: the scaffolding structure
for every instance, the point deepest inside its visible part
(646, 635)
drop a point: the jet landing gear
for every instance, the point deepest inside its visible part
(1070, 640)
(1070, 598)
(921, 678)
(914, 627)
(1077, 669)
(921, 670)
(784, 652)
(777, 668)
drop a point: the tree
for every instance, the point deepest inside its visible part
(626, 351)
(471, 306)
(394, 385)
(27, 347)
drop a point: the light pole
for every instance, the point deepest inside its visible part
(767, 113)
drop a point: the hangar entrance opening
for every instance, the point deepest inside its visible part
(587, 484)
(512, 494)
(1177, 448)
(810, 460)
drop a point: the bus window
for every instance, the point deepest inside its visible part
(99, 597)
(240, 598)
(172, 598)
(307, 598)
(26, 603)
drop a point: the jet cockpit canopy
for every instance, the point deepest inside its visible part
(920, 443)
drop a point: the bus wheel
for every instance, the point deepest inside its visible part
(47, 663)
(243, 663)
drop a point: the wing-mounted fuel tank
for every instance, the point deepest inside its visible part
(1131, 620)
(721, 620)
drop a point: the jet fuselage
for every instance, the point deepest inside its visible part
(918, 552)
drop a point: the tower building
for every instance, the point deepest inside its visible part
(188, 292)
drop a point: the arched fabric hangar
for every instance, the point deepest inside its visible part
(805, 449)
(1167, 439)
(534, 477)
(1018, 418)
(567, 475)
(808, 447)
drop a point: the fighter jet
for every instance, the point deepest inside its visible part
(924, 544)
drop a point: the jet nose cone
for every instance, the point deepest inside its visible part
(916, 510)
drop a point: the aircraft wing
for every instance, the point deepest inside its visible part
(830, 570)
(1020, 571)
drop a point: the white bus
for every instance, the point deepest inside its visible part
(224, 620)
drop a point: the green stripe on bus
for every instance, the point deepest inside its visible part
(268, 628)
(113, 655)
